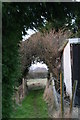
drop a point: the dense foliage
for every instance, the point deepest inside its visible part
(18, 17)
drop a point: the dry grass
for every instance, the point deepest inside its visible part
(57, 114)
(53, 113)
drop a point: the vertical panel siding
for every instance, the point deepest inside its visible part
(67, 69)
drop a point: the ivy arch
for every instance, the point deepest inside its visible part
(44, 47)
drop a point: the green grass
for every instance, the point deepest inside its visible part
(33, 106)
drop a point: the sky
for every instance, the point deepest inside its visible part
(29, 33)
(78, 0)
(38, 64)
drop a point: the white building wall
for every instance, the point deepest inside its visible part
(67, 69)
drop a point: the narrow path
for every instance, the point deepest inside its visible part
(33, 106)
(36, 111)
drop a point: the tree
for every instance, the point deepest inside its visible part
(43, 47)
(18, 17)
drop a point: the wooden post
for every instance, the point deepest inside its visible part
(62, 94)
(73, 96)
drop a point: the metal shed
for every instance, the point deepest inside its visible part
(71, 66)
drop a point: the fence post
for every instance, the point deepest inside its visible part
(73, 96)
(62, 94)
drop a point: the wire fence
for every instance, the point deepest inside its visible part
(66, 99)
(67, 103)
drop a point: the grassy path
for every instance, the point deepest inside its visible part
(33, 106)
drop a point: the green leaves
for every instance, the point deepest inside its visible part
(10, 71)
(29, 14)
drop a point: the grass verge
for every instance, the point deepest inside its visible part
(33, 106)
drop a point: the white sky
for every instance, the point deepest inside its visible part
(33, 66)
(29, 33)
